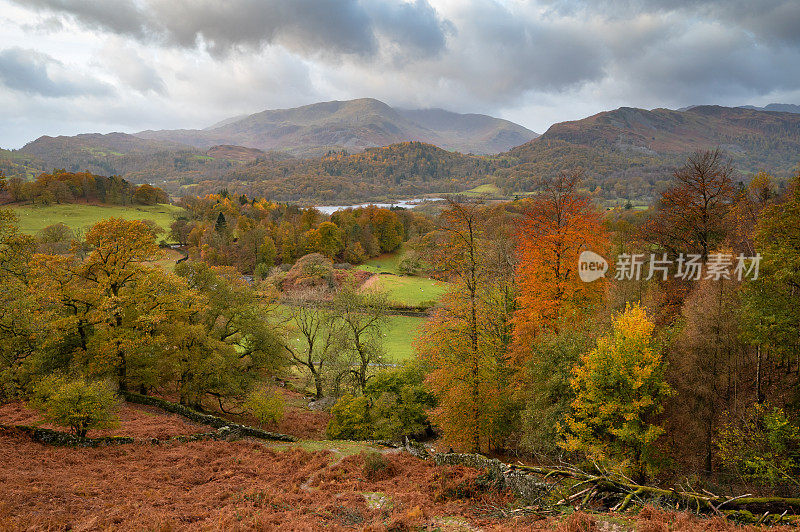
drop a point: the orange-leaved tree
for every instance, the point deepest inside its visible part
(465, 342)
(557, 226)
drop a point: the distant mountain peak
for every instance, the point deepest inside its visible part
(775, 108)
(353, 125)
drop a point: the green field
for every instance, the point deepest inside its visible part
(409, 291)
(484, 190)
(34, 218)
(398, 337)
(388, 262)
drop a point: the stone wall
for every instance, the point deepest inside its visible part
(524, 486)
(207, 419)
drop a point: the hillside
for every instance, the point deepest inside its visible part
(629, 152)
(404, 169)
(352, 125)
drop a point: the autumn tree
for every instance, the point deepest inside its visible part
(465, 341)
(556, 227)
(21, 323)
(710, 369)
(120, 249)
(619, 387)
(690, 216)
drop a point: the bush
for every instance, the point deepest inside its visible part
(395, 404)
(76, 403)
(266, 405)
(376, 467)
(400, 403)
(351, 420)
(310, 271)
(409, 264)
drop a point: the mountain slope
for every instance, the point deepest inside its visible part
(353, 125)
(628, 152)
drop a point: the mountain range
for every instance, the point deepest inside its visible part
(352, 125)
(363, 150)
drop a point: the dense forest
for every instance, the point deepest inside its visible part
(256, 235)
(61, 186)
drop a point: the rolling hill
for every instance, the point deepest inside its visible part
(626, 153)
(629, 153)
(354, 125)
(776, 108)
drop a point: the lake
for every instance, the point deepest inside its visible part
(403, 204)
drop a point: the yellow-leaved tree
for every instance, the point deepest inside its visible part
(619, 387)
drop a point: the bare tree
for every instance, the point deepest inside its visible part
(319, 338)
(690, 216)
(362, 316)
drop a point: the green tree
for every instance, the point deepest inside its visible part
(549, 393)
(619, 387)
(228, 342)
(399, 402)
(772, 300)
(762, 447)
(77, 403)
(350, 419)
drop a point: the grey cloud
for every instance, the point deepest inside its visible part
(414, 26)
(768, 20)
(123, 16)
(307, 26)
(32, 72)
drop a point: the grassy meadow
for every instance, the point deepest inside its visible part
(409, 291)
(399, 336)
(34, 218)
(385, 263)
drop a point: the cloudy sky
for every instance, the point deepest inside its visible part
(70, 66)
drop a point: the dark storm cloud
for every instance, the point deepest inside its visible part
(308, 26)
(34, 73)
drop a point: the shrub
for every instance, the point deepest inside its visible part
(351, 420)
(312, 270)
(376, 467)
(395, 404)
(409, 264)
(266, 405)
(400, 403)
(76, 403)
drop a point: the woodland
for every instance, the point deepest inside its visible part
(649, 392)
